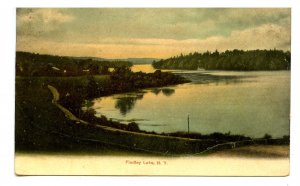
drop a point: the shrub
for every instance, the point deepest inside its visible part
(267, 136)
(133, 127)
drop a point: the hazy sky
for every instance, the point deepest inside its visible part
(158, 33)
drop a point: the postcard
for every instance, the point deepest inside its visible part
(153, 91)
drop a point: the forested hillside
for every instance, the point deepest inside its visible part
(229, 60)
(30, 64)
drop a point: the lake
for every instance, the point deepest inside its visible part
(247, 103)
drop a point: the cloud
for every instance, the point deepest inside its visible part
(44, 15)
(39, 22)
(161, 33)
(267, 36)
(170, 23)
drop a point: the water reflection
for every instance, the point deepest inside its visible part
(165, 91)
(168, 91)
(156, 91)
(204, 78)
(248, 103)
(126, 103)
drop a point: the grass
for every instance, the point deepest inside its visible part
(41, 126)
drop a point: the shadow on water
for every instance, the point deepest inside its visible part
(168, 91)
(165, 91)
(127, 102)
(204, 78)
(156, 91)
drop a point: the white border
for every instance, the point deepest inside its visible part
(7, 62)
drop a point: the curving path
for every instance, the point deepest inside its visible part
(67, 113)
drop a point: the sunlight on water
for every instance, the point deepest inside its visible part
(143, 67)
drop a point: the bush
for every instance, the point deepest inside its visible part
(267, 136)
(133, 127)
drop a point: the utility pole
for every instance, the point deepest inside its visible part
(188, 120)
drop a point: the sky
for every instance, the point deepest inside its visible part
(152, 33)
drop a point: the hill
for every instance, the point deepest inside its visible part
(229, 60)
(32, 64)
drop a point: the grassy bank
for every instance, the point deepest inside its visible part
(40, 126)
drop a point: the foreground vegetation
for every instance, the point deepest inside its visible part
(229, 60)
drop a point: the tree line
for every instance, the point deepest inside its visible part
(229, 60)
(31, 64)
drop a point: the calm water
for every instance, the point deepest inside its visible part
(249, 103)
